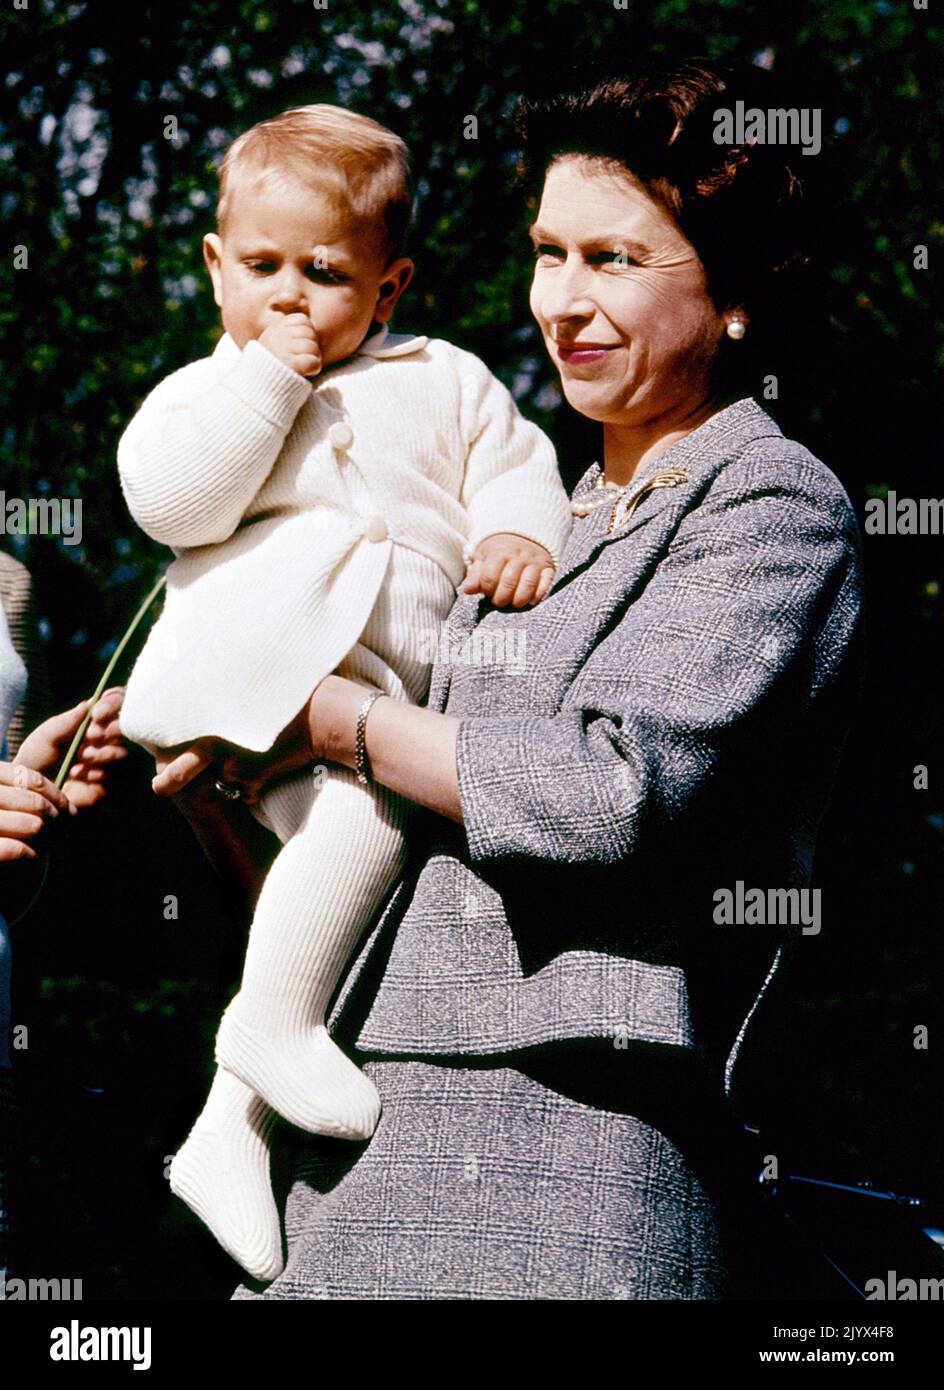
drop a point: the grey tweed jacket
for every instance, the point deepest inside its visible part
(664, 724)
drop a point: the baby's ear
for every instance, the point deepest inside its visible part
(213, 256)
(395, 280)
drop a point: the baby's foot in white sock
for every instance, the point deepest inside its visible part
(222, 1173)
(306, 1078)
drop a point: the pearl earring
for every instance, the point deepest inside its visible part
(736, 329)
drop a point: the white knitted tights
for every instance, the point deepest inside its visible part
(343, 848)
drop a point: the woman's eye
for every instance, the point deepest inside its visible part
(553, 255)
(618, 257)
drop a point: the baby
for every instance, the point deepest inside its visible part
(323, 485)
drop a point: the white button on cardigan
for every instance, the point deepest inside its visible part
(340, 435)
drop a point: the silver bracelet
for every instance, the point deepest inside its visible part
(361, 763)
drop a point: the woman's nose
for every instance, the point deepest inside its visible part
(562, 296)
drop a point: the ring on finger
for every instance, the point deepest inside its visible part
(231, 791)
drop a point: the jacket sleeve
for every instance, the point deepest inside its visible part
(759, 584)
(204, 442)
(511, 480)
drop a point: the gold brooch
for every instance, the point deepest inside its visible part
(624, 499)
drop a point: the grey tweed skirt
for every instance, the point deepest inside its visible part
(484, 1181)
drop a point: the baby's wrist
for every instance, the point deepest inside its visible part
(268, 386)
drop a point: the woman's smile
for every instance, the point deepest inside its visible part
(582, 354)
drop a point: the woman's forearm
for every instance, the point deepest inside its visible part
(410, 750)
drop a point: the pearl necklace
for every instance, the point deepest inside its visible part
(623, 503)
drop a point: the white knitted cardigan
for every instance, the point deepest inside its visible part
(238, 463)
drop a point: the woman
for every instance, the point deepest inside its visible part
(551, 1005)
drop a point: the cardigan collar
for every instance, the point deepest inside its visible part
(383, 343)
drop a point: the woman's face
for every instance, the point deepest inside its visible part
(621, 298)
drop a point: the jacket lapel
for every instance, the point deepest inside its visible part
(690, 464)
(669, 481)
(637, 508)
(587, 537)
(461, 622)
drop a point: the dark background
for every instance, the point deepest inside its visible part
(121, 1003)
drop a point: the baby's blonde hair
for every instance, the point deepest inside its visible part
(362, 164)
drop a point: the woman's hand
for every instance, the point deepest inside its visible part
(253, 772)
(236, 845)
(29, 800)
(412, 751)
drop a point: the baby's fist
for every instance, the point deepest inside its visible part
(294, 342)
(510, 569)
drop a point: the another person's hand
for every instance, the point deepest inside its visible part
(44, 749)
(29, 800)
(28, 803)
(294, 342)
(102, 746)
(509, 569)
